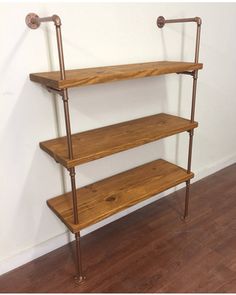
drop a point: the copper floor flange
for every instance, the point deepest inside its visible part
(79, 279)
(185, 218)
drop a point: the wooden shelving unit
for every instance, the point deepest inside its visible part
(87, 205)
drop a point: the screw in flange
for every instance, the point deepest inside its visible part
(31, 21)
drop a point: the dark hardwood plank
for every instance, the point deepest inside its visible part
(89, 76)
(150, 250)
(101, 142)
(114, 194)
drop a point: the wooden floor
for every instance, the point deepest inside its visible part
(150, 250)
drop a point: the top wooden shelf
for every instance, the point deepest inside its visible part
(89, 76)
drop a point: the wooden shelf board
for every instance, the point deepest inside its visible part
(89, 76)
(101, 142)
(114, 194)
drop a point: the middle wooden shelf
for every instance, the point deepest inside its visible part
(104, 141)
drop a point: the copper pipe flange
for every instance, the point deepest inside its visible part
(161, 22)
(79, 279)
(32, 21)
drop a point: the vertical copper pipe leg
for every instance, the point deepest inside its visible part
(33, 21)
(188, 171)
(74, 195)
(79, 277)
(78, 261)
(190, 150)
(186, 200)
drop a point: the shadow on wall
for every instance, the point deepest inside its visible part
(26, 183)
(12, 53)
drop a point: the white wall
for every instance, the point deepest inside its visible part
(96, 35)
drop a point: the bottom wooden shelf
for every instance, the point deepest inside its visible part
(114, 194)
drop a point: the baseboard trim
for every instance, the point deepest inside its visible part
(30, 254)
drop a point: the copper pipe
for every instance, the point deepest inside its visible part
(74, 195)
(67, 122)
(33, 21)
(194, 92)
(65, 91)
(186, 207)
(198, 40)
(190, 149)
(191, 133)
(79, 271)
(60, 53)
(195, 76)
(54, 18)
(161, 21)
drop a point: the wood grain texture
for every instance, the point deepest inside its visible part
(150, 250)
(89, 76)
(101, 142)
(114, 194)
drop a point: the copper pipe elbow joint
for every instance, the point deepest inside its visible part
(56, 19)
(198, 20)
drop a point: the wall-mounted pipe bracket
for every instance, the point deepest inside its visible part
(161, 21)
(33, 21)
